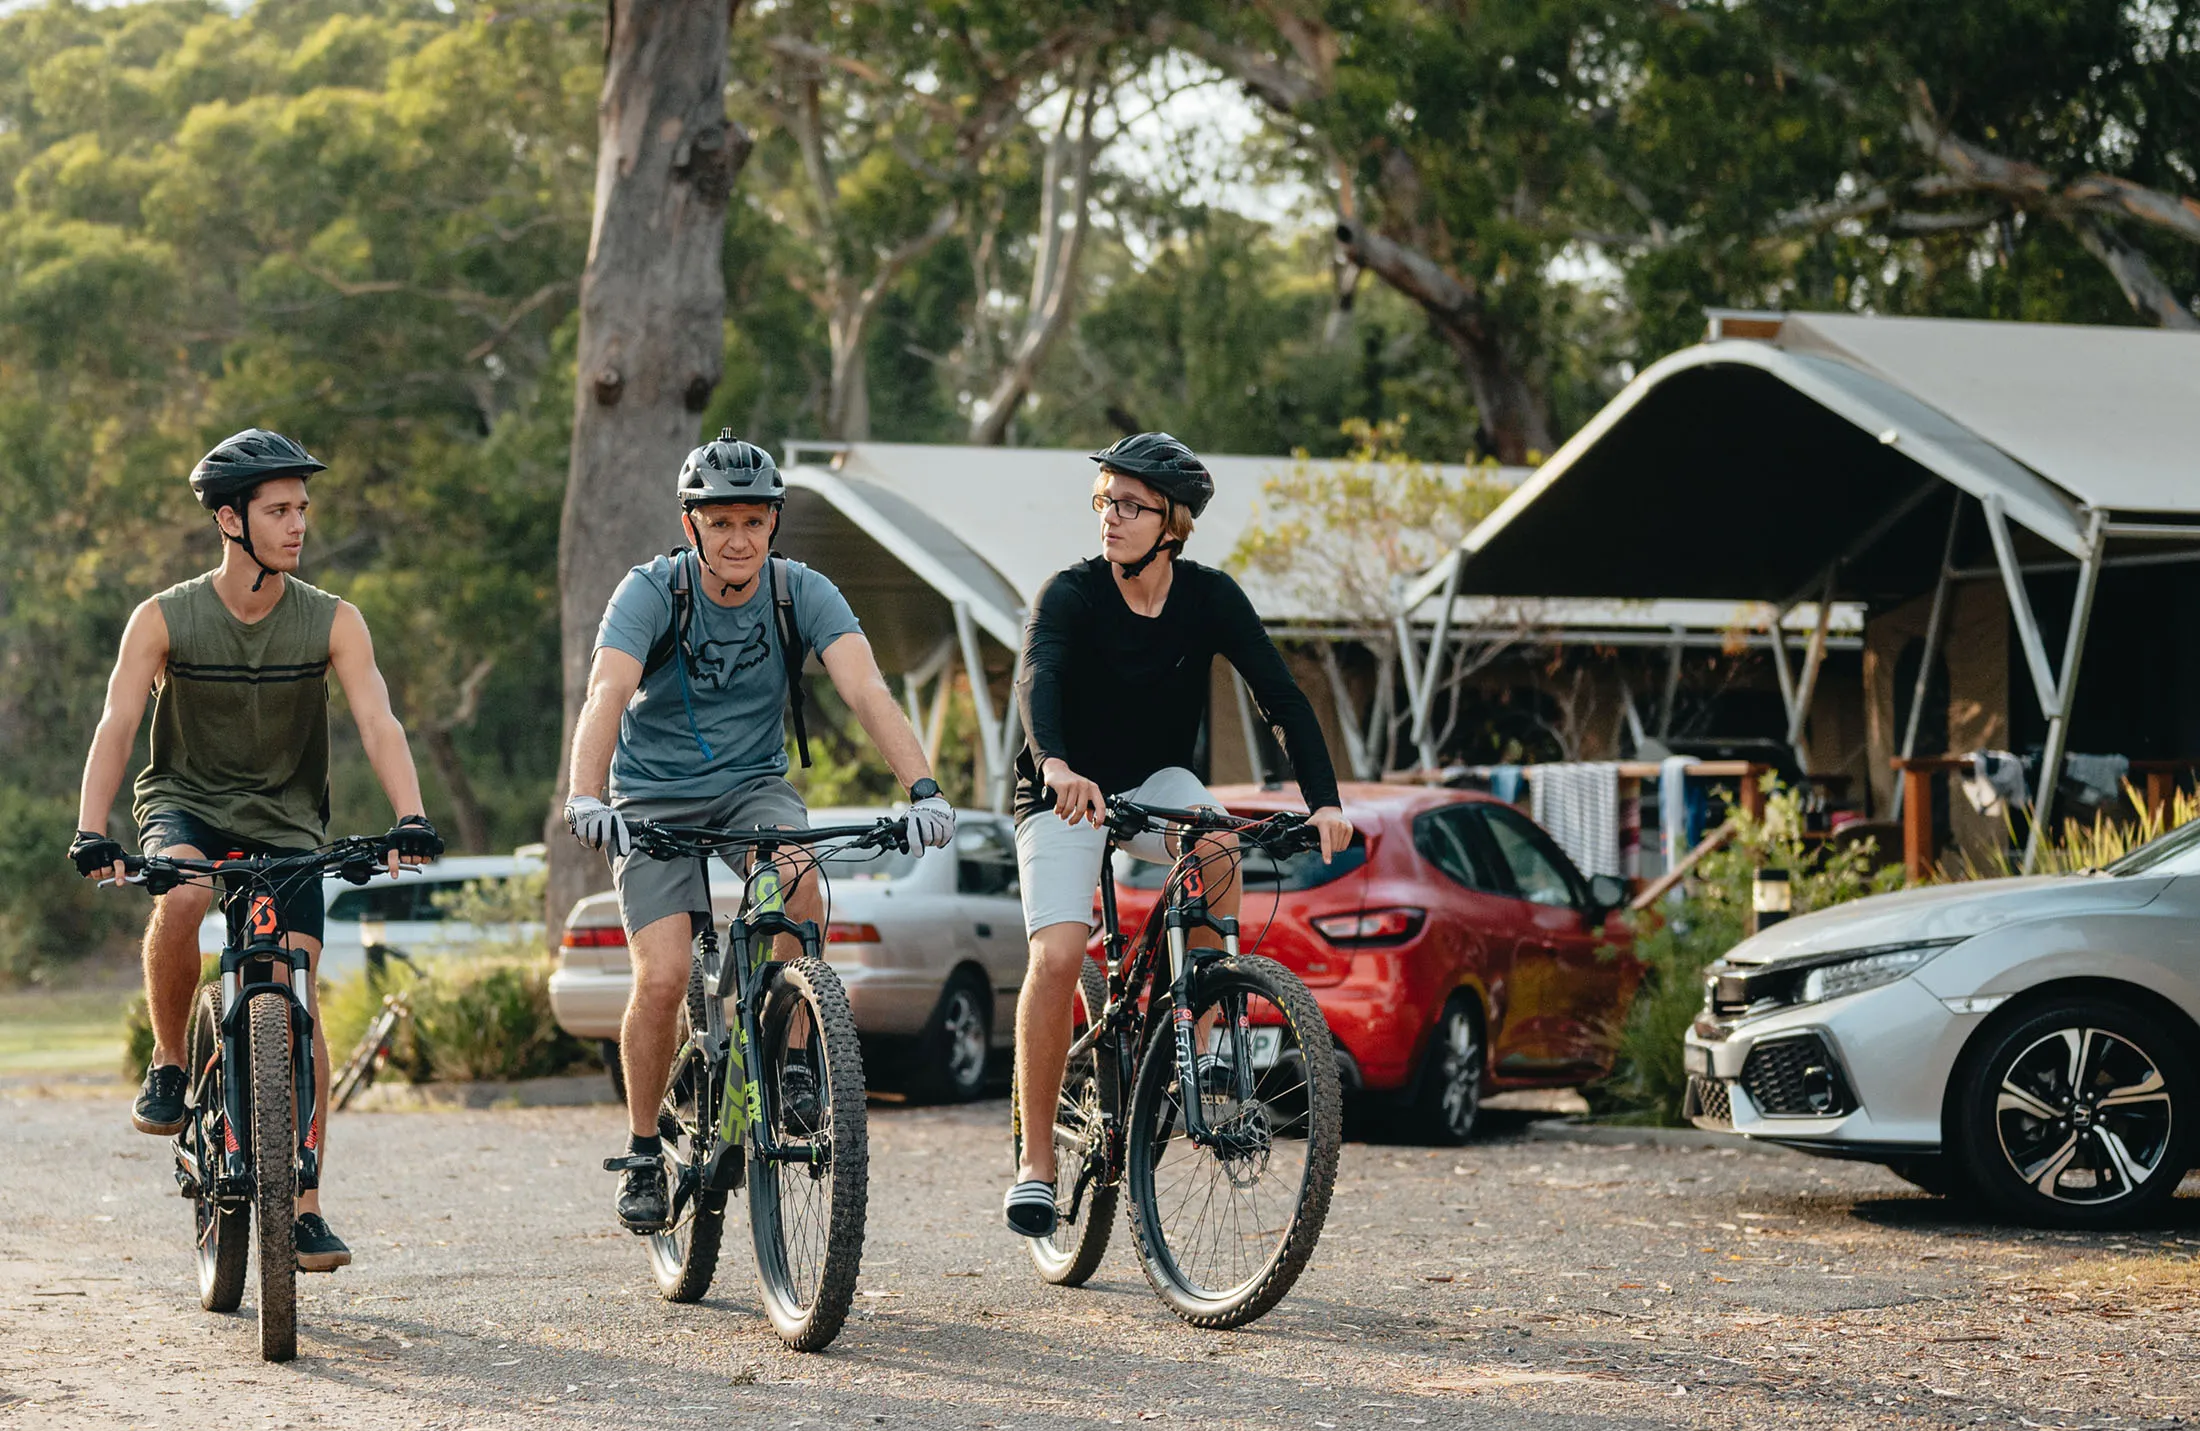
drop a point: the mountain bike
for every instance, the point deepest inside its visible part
(249, 1143)
(1228, 1149)
(795, 1131)
(371, 1054)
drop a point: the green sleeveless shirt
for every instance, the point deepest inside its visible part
(240, 715)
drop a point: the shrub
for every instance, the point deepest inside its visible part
(488, 1017)
(49, 915)
(1676, 943)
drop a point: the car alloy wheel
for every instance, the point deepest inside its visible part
(964, 1034)
(2077, 1113)
(1448, 1105)
(2083, 1116)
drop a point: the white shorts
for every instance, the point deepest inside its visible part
(1058, 864)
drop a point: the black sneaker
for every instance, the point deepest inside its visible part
(799, 1106)
(645, 1202)
(159, 1106)
(319, 1250)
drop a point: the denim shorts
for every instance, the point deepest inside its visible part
(299, 902)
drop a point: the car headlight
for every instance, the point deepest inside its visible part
(1854, 976)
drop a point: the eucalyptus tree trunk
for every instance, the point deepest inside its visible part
(652, 309)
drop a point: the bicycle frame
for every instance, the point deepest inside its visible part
(248, 969)
(1132, 970)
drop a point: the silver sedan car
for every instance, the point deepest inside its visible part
(2032, 1040)
(931, 951)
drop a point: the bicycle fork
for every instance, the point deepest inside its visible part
(1178, 922)
(238, 1135)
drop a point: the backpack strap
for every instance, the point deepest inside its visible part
(791, 650)
(683, 606)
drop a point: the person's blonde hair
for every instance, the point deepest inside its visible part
(1176, 520)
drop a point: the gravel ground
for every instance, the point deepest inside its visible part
(1520, 1282)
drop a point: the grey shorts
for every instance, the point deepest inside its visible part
(653, 889)
(1058, 864)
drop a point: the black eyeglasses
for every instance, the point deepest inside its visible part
(1124, 508)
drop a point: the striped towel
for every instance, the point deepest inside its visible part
(1578, 803)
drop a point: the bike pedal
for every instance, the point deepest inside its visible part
(187, 1185)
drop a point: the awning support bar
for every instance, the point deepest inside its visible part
(1425, 706)
(2020, 606)
(981, 692)
(1348, 720)
(1813, 657)
(1012, 736)
(1409, 664)
(1934, 625)
(1252, 728)
(1672, 685)
(2058, 726)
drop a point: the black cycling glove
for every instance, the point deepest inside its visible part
(414, 838)
(93, 852)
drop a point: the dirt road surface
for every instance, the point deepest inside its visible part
(1518, 1282)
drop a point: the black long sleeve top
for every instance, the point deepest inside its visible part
(1118, 696)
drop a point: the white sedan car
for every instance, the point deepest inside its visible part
(931, 951)
(2030, 1039)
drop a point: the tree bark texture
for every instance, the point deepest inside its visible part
(652, 311)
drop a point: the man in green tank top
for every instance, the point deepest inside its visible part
(236, 663)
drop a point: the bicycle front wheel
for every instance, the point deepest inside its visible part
(685, 1255)
(806, 1214)
(1225, 1225)
(275, 1174)
(224, 1231)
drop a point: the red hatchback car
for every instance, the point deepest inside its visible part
(1454, 949)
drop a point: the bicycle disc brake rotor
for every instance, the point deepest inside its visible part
(1242, 1143)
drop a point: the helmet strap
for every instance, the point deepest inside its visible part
(244, 525)
(695, 539)
(1132, 570)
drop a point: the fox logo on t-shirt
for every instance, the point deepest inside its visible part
(718, 662)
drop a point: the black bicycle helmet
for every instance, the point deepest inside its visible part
(1164, 464)
(730, 470)
(240, 462)
(228, 475)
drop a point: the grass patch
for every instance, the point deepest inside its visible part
(61, 1031)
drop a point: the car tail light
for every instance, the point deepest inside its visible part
(1374, 926)
(604, 936)
(838, 933)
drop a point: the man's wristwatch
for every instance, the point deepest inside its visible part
(924, 789)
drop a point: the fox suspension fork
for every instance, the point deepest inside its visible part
(1178, 921)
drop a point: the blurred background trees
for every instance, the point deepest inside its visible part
(365, 221)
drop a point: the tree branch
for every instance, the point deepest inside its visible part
(2143, 287)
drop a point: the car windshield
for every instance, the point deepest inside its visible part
(2175, 853)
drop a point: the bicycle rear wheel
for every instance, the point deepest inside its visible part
(1223, 1231)
(224, 1233)
(685, 1255)
(1090, 1095)
(275, 1174)
(807, 1217)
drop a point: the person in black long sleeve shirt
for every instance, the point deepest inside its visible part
(1117, 653)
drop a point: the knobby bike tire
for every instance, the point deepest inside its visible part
(684, 1257)
(275, 1174)
(357, 1074)
(224, 1234)
(807, 1222)
(1306, 1103)
(1090, 1101)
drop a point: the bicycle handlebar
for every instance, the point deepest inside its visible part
(1284, 832)
(357, 859)
(669, 842)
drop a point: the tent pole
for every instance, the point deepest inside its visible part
(1251, 728)
(2058, 725)
(981, 692)
(2020, 604)
(1780, 669)
(1813, 657)
(1933, 626)
(1012, 725)
(1417, 699)
(1672, 684)
(1425, 708)
(1355, 749)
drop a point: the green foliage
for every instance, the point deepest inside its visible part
(49, 915)
(497, 903)
(1676, 943)
(478, 1015)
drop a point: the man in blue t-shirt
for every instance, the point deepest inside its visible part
(688, 725)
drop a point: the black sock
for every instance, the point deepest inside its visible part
(650, 1147)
